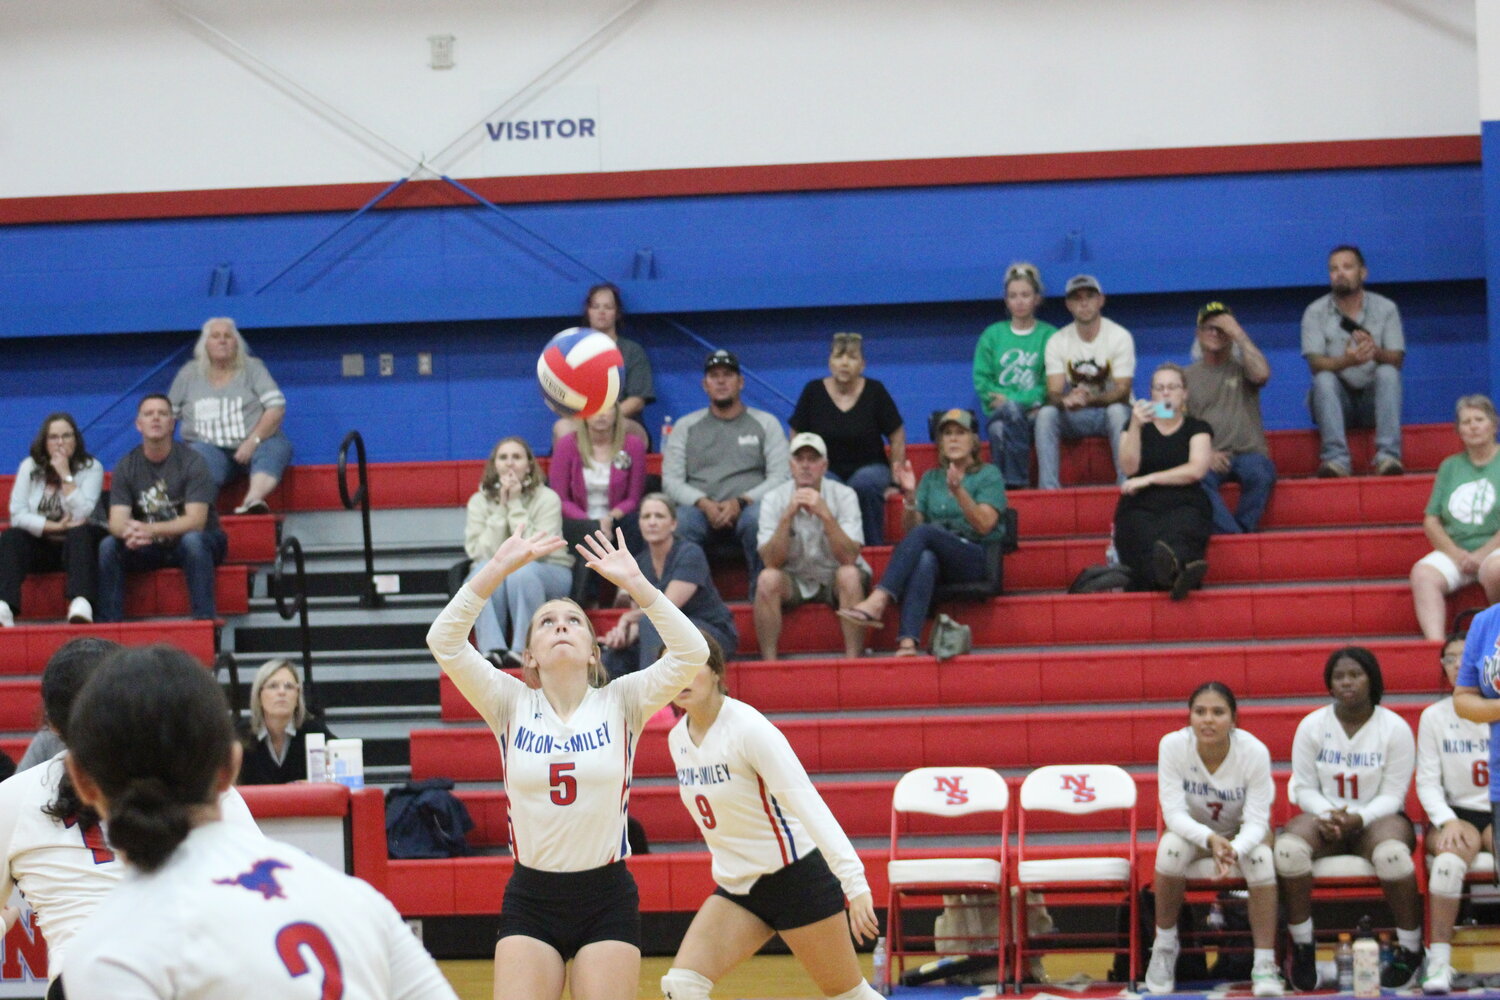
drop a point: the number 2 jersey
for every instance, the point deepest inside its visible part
(568, 782)
(63, 869)
(1453, 763)
(233, 915)
(754, 803)
(1234, 801)
(1368, 773)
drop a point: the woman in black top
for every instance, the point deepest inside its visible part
(1164, 518)
(855, 417)
(276, 750)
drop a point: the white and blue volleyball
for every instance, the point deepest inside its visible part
(579, 372)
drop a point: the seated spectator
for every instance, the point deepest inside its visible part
(599, 473)
(513, 497)
(679, 569)
(1010, 375)
(161, 513)
(1163, 520)
(231, 412)
(1354, 345)
(604, 310)
(56, 489)
(810, 536)
(948, 516)
(721, 460)
(1224, 383)
(1462, 520)
(276, 749)
(1090, 365)
(854, 416)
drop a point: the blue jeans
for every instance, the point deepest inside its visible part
(927, 554)
(868, 483)
(1010, 443)
(1256, 475)
(1334, 405)
(271, 457)
(692, 525)
(1054, 423)
(513, 603)
(197, 552)
(648, 647)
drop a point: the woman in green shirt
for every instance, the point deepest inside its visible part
(1010, 376)
(1462, 520)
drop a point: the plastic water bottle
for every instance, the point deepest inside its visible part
(1387, 950)
(666, 432)
(1366, 967)
(1215, 919)
(882, 969)
(1343, 964)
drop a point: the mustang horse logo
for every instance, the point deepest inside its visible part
(260, 878)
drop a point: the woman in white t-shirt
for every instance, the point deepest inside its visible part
(1214, 780)
(1453, 781)
(781, 862)
(1352, 764)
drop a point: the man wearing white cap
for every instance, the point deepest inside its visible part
(1090, 364)
(809, 538)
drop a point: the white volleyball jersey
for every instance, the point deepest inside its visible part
(568, 782)
(754, 803)
(1234, 801)
(1368, 773)
(1453, 763)
(62, 869)
(233, 914)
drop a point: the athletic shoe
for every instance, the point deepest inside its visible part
(1389, 466)
(80, 612)
(1265, 981)
(1402, 969)
(1161, 974)
(1438, 979)
(7, 616)
(253, 507)
(1304, 971)
(1333, 470)
(1189, 579)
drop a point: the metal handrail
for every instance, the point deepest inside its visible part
(369, 597)
(298, 607)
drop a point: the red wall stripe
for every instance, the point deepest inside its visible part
(1114, 164)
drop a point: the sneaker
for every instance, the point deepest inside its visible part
(7, 616)
(1164, 564)
(1333, 470)
(1265, 981)
(254, 507)
(1402, 968)
(1191, 578)
(1304, 971)
(80, 612)
(1388, 466)
(1437, 980)
(1161, 974)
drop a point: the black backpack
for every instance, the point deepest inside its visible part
(424, 819)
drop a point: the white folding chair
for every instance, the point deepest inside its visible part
(1106, 876)
(947, 793)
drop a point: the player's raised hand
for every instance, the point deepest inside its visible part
(611, 560)
(521, 548)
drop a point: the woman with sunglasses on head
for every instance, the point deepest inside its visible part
(567, 740)
(209, 909)
(1010, 374)
(1214, 780)
(855, 416)
(1453, 778)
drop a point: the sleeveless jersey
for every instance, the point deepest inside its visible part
(1233, 802)
(567, 782)
(232, 914)
(754, 803)
(1369, 773)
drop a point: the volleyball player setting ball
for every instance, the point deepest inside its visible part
(782, 864)
(1214, 780)
(52, 845)
(567, 740)
(210, 909)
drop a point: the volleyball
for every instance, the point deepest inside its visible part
(579, 372)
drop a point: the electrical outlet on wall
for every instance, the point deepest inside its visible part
(354, 365)
(424, 362)
(387, 364)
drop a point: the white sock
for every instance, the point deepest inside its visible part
(1440, 951)
(1410, 940)
(1301, 933)
(1166, 937)
(1264, 957)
